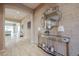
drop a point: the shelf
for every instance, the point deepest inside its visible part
(52, 53)
(51, 35)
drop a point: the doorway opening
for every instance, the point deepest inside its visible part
(12, 32)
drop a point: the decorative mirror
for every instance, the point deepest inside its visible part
(51, 17)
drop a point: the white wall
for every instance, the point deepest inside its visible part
(28, 33)
(70, 21)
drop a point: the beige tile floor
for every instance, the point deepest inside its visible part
(24, 48)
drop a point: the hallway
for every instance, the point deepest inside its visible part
(24, 48)
(53, 27)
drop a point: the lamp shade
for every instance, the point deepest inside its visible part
(39, 29)
(61, 29)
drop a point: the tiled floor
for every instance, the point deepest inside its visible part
(24, 48)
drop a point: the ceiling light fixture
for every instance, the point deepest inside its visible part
(18, 12)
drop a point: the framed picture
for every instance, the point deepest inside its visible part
(29, 25)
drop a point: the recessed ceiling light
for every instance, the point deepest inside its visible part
(18, 12)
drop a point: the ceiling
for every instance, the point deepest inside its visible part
(14, 14)
(31, 5)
